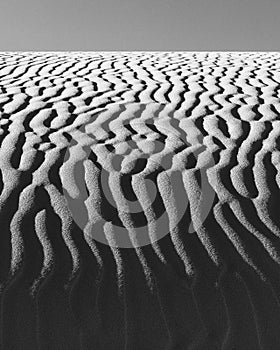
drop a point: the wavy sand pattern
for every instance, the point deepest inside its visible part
(212, 116)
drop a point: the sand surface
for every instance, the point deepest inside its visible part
(139, 200)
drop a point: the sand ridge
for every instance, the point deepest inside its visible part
(80, 132)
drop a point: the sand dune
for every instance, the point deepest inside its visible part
(139, 200)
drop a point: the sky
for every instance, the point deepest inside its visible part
(139, 25)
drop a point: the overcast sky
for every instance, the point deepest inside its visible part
(136, 25)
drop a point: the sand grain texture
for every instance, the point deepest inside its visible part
(81, 132)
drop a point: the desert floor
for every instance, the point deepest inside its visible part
(139, 200)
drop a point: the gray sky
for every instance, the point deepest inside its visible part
(136, 25)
